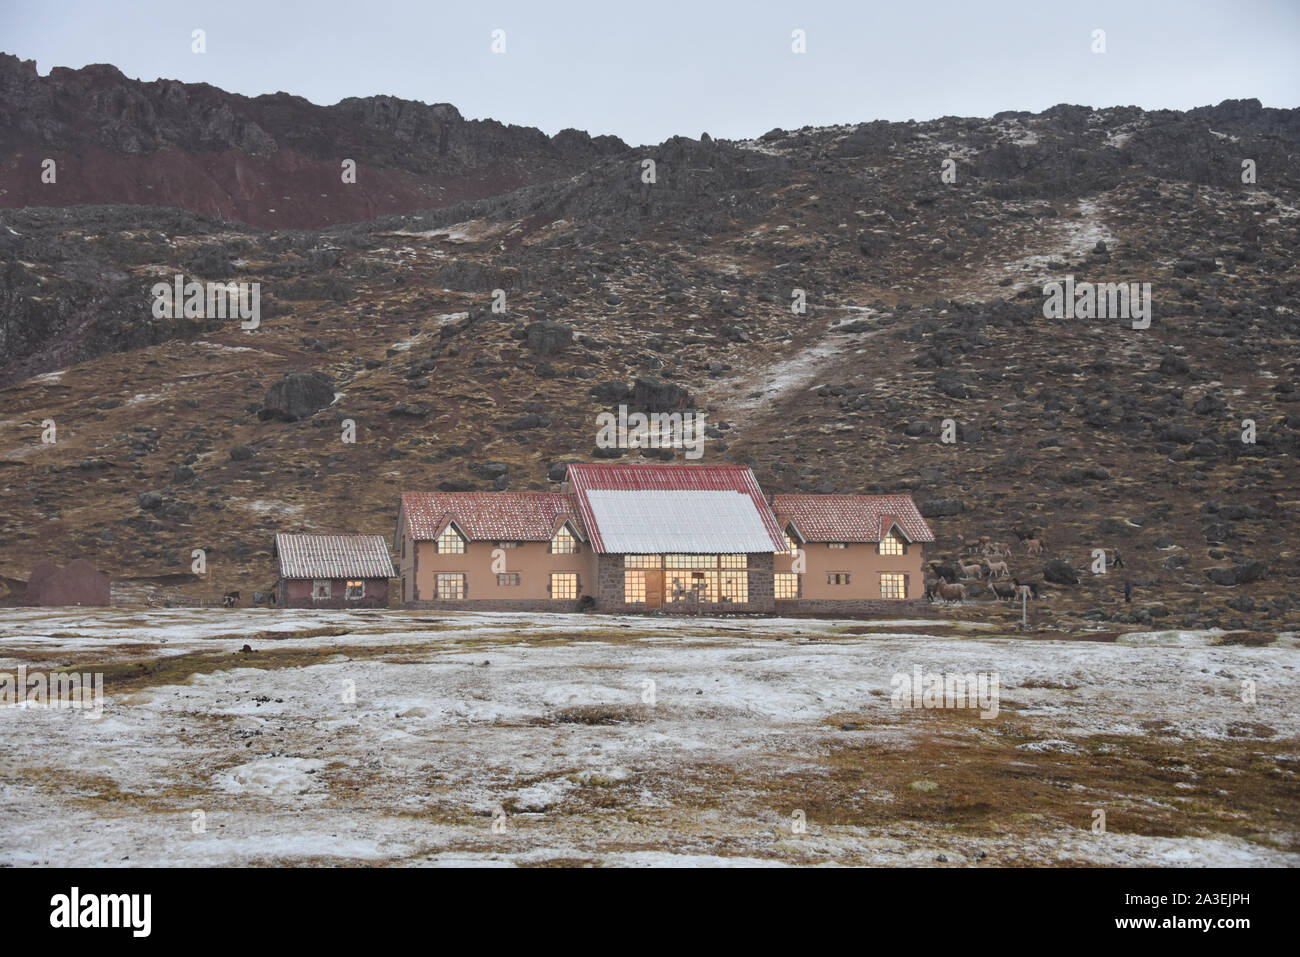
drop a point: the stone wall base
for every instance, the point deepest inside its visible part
(854, 607)
(496, 604)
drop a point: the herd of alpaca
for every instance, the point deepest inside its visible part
(984, 560)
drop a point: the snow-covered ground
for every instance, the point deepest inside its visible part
(432, 739)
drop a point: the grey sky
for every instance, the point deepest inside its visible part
(649, 70)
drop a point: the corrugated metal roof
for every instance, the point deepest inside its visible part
(489, 516)
(675, 520)
(650, 521)
(333, 556)
(851, 518)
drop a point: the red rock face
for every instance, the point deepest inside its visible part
(285, 190)
(272, 161)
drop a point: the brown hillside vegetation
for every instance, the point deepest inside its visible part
(924, 303)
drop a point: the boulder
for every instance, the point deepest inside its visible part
(548, 338)
(299, 395)
(1248, 570)
(559, 471)
(610, 392)
(1060, 572)
(653, 395)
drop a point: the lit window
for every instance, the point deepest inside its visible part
(690, 561)
(564, 543)
(735, 561)
(640, 561)
(450, 542)
(507, 578)
(786, 585)
(320, 589)
(893, 585)
(891, 544)
(450, 586)
(634, 587)
(790, 545)
(564, 585)
(837, 578)
(693, 586)
(356, 589)
(735, 586)
(836, 545)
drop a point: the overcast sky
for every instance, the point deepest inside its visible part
(647, 70)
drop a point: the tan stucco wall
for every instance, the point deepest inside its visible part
(864, 566)
(532, 560)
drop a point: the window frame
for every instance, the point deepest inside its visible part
(446, 536)
(901, 583)
(564, 536)
(634, 585)
(441, 577)
(733, 586)
(896, 540)
(577, 586)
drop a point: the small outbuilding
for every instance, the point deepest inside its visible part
(333, 571)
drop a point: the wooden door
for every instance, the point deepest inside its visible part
(654, 588)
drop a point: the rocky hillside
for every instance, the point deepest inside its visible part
(924, 304)
(274, 161)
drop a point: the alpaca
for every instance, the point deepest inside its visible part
(997, 569)
(1031, 586)
(952, 592)
(1004, 590)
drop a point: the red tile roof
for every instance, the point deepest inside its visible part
(672, 478)
(333, 556)
(851, 518)
(489, 516)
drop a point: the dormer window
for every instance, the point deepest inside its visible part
(790, 545)
(564, 542)
(450, 542)
(891, 544)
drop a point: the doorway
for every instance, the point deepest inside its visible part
(654, 588)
